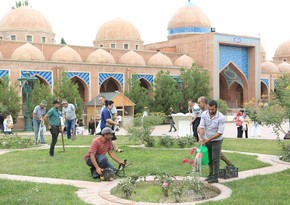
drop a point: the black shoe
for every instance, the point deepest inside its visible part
(169, 131)
(96, 175)
(174, 131)
(208, 177)
(213, 180)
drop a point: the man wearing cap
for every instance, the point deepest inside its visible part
(52, 119)
(96, 156)
(69, 115)
(38, 114)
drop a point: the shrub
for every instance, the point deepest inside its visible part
(222, 106)
(127, 187)
(14, 141)
(166, 141)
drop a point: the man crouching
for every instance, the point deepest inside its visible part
(96, 156)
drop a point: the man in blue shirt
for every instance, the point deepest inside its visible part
(52, 119)
(69, 115)
(211, 130)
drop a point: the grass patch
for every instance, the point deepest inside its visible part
(267, 189)
(15, 193)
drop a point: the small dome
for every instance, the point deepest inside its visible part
(283, 50)
(101, 56)
(184, 61)
(132, 58)
(159, 59)
(284, 67)
(187, 20)
(118, 29)
(269, 67)
(27, 52)
(66, 54)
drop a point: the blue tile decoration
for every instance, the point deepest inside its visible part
(149, 78)
(231, 76)
(188, 30)
(84, 76)
(275, 82)
(116, 76)
(237, 55)
(4, 73)
(265, 81)
(46, 75)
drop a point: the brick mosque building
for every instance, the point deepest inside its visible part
(236, 64)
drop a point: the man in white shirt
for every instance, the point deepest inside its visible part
(69, 115)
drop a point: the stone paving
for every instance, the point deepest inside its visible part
(99, 193)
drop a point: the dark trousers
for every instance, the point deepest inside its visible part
(102, 161)
(240, 132)
(54, 134)
(214, 155)
(172, 125)
(195, 125)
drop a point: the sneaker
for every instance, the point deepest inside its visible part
(96, 175)
(213, 180)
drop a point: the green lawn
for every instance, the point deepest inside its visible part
(70, 164)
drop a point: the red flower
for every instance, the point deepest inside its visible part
(199, 155)
(192, 162)
(185, 160)
(192, 151)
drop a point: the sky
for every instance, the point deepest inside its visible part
(79, 20)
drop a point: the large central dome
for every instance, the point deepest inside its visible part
(24, 21)
(120, 32)
(189, 19)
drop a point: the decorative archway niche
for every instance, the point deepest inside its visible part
(110, 85)
(82, 88)
(264, 90)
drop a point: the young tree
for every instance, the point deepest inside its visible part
(195, 83)
(138, 94)
(20, 3)
(62, 41)
(40, 92)
(166, 93)
(9, 98)
(65, 89)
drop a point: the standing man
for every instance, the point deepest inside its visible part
(96, 156)
(196, 112)
(69, 115)
(1, 122)
(211, 128)
(38, 114)
(52, 119)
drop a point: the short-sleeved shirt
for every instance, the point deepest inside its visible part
(99, 147)
(196, 110)
(53, 117)
(39, 112)
(213, 125)
(69, 111)
(106, 114)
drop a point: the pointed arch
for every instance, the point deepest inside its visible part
(82, 87)
(110, 85)
(144, 83)
(264, 89)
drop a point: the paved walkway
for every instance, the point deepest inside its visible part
(99, 193)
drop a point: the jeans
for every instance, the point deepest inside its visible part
(172, 125)
(102, 161)
(36, 127)
(70, 125)
(214, 155)
(54, 134)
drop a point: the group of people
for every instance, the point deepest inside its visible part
(6, 123)
(55, 120)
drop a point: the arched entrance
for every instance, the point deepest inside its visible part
(145, 84)
(81, 88)
(110, 85)
(232, 86)
(264, 90)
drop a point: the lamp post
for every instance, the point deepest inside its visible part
(26, 82)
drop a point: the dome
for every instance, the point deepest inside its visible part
(25, 21)
(159, 59)
(269, 67)
(27, 52)
(66, 54)
(118, 29)
(184, 61)
(283, 50)
(284, 67)
(187, 20)
(132, 58)
(101, 56)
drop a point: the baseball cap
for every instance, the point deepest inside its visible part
(107, 130)
(43, 102)
(63, 102)
(55, 102)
